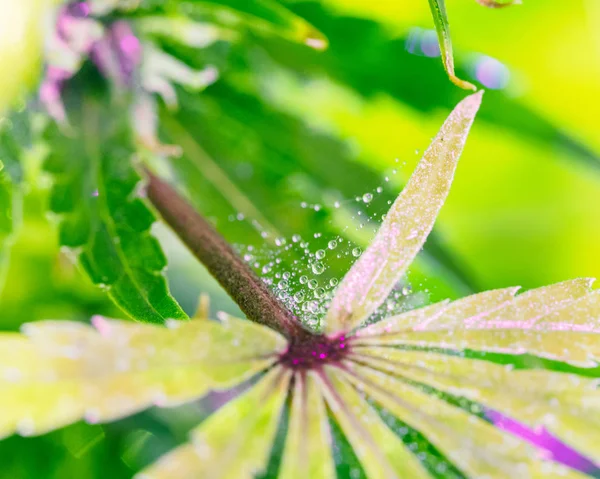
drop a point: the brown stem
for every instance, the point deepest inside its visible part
(224, 264)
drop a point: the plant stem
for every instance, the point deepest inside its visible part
(224, 264)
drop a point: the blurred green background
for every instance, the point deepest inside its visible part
(289, 137)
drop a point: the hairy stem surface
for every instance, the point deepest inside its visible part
(224, 264)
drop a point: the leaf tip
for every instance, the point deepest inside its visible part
(471, 104)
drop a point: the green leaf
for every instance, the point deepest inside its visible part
(264, 17)
(14, 136)
(440, 19)
(103, 218)
(8, 205)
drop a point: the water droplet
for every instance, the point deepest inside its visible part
(336, 204)
(280, 241)
(379, 189)
(319, 292)
(312, 306)
(333, 282)
(286, 275)
(313, 283)
(318, 267)
(317, 207)
(303, 279)
(367, 198)
(356, 252)
(283, 284)
(320, 254)
(296, 238)
(332, 244)
(299, 297)
(240, 216)
(316, 43)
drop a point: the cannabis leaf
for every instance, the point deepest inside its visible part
(414, 367)
(104, 219)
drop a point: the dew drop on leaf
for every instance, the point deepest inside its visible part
(318, 268)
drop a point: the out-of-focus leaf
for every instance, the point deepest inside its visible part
(406, 226)
(7, 221)
(15, 135)
(104, 219)
(363, 65)
(440, 18)
(263, 17)
(21, 27)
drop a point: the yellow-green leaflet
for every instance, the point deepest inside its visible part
(572, 303)
(567, 405)
(62, 371)
(381, 452)
(406, 225)
(557, 322)
(308, 448)
(233, 443)
(478, 448)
